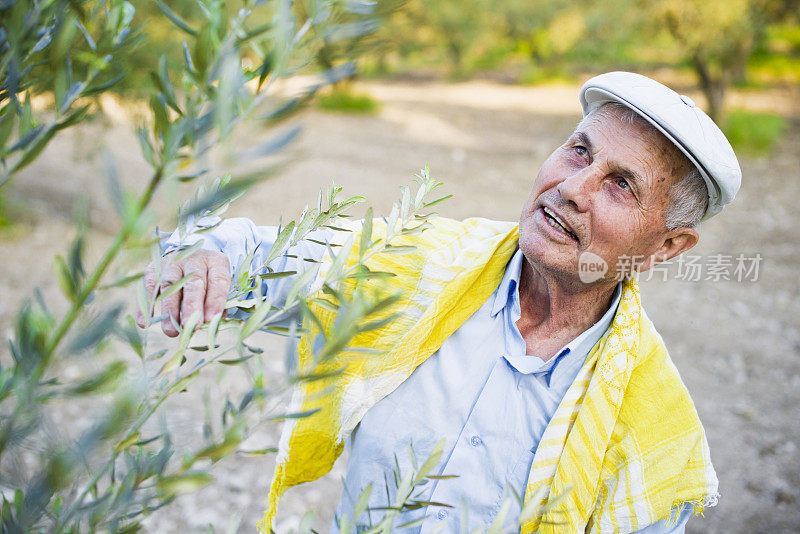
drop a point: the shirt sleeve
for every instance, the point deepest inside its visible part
(238, 237)
(671, 525)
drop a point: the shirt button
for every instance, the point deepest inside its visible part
(476, 441)
(442, 514)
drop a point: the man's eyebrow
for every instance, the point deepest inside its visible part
(584, 140)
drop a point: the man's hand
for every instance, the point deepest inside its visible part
(206, 290)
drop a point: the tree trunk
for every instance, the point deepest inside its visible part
(456, 58)
(713, 88)
(382, 66)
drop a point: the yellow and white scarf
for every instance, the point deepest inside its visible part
(625, 445)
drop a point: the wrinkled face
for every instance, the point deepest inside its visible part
(604, 191)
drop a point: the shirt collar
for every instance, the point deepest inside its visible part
(507, 290)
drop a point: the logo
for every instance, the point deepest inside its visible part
(591, 267)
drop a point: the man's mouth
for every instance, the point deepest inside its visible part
(557, 222)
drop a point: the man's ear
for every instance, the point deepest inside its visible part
(675, 242)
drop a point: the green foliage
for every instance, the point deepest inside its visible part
(351, 30)
(344, 101)
(754, 133)
(461, 26)
(67, 47)
(777, 58)
(107, 474)
(534, 75)
(5, 219)
(772, 68)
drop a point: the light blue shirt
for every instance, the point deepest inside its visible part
(480, 392)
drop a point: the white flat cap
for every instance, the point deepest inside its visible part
(681, 121)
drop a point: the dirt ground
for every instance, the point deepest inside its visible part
(736, 344)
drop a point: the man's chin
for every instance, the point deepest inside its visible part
(548, 257)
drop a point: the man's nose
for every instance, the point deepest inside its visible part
(577, 188)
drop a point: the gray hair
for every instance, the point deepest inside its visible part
(688, 197)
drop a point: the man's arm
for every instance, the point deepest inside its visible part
(224, 248)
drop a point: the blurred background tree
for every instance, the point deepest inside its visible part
(716, 39)
(461, 28)
(744, 42)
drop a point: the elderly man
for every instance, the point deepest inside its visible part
(519, 345)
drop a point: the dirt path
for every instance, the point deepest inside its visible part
(736, 344)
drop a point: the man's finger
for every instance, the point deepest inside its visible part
(194, 291)
(219, 284)
(140, 322)
(149, 287)
(170, 305)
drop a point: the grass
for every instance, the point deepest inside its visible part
(754, 133)
(345, 101)
(774, 68)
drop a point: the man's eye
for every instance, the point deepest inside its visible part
(581, 151)
(623, 183)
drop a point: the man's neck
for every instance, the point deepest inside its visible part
(553, 314)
